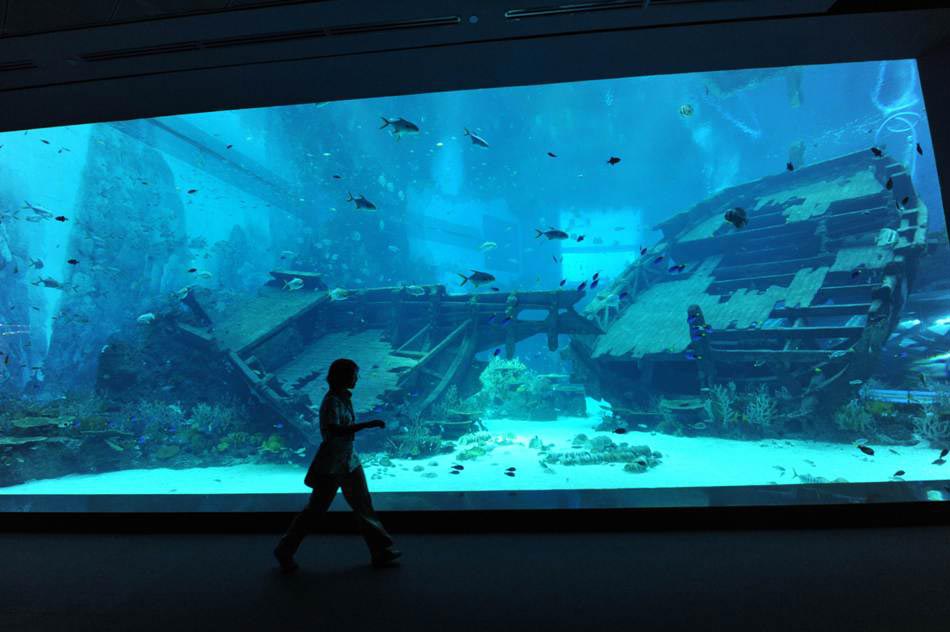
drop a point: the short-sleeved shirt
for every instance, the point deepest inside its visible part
(336, 454)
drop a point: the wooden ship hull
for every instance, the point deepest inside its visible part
(803, 297)
(412, 345)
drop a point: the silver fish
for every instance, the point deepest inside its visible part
(361, 202)
(400, 126)
(477, 278)
(476, 139)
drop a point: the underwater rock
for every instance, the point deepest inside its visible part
(418, 468)
(128, 235)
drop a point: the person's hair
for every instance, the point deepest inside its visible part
(341, 372)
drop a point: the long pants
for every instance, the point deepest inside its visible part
(357, 497)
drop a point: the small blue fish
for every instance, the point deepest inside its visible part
(658, 260)
(624, 295)
(593, 284)
(142, 440)
(497, 352)
(596, 275)
(580, 288)
(563, 281)
(491, 318)
(506, 321)
(278, 425)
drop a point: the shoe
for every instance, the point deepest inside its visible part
(287, 563)
(386, 558)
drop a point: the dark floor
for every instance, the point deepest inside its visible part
(893, 579)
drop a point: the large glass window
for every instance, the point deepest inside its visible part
(729, 280)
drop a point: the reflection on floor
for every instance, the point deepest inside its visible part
(838, 579)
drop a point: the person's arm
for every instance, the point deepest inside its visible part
(330, 415)
(337, 430)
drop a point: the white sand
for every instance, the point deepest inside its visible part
(686, 462)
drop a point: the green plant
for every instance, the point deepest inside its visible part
(878, 408)
(273, 444)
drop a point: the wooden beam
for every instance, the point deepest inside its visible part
(841, 309)
(439, 347)
(785, 355)
(785, 332)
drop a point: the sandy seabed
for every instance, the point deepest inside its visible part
(686, 462)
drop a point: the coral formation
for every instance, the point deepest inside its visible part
(760, 408)
(720, 405)
(854, 416)
(510, 389)
(602, 449)
(416, 442)
(933, 423)
(216, 418)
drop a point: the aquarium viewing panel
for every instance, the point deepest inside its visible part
(724, 288)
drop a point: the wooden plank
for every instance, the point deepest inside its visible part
(415, 338)
(723, 273)
(418, 355)
(463, 354)
(861, 289)
(717, 287)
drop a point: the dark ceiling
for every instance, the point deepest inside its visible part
(72, 61)
(26, 17)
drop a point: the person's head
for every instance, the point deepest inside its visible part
(342, 374)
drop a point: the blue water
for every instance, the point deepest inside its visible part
(107, 226)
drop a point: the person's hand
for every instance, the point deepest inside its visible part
(376, 423)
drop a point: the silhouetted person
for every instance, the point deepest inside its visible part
(336, 465)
